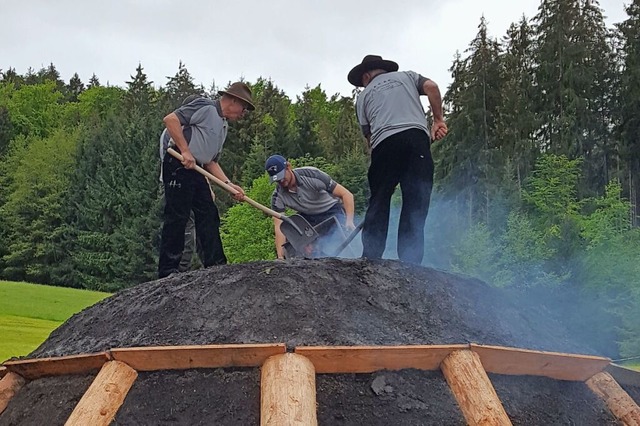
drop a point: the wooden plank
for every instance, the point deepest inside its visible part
(288, 391)
(367, 359)
(74, 364)
(623, 375)
(100, 403)
(524, 362)
(619, 402)
(205, 356)
(473, 390)
(10, 384)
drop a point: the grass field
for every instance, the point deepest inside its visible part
(30, 312)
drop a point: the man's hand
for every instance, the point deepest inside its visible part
(239, 196)
(439, 130)
(349, 225)
(187, 160)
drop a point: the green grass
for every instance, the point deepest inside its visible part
(30, 312)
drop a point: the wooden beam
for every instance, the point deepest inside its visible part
(623, 375)
(204, 356)
(523, 362)
(367, 359)
(619, 402)
(10, 384)
(100, 403)
(473, 390)
(41, 367)
(288, 391)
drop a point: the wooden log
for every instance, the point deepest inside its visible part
(524, 362)
(367, 359)
(10, 384)
(288, 391)
(35, 368)
(473, 390)
(198, 356)
(619, 402)
(100, 403)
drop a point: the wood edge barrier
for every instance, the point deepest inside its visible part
(10, 384)
(472, 389)
(36, 368)
(288, 391)
(155, 358)
(100, 403)
(619, 402)
(525, 362)
(367, 359)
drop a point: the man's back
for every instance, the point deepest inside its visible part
(391, 104)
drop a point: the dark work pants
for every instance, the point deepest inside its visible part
(336, 210)
(405, 159)
(187, 190)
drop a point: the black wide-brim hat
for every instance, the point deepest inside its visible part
(240, 91)
(370, 62)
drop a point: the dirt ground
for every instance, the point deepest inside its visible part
(314, 302)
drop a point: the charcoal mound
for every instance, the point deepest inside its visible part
(312, 302)
(316, 302)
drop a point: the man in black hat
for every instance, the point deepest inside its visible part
(395, 125)
(198, 131)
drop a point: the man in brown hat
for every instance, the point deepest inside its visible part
(395, 125)
(198, 131)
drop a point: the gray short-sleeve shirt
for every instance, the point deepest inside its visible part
(314, 193)
(391, 104)
(204, 128)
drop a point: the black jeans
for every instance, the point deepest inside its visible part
(405, 159)
(187, 190)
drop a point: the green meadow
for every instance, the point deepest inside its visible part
(30, 312)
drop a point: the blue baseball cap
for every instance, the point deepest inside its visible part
(276, 166)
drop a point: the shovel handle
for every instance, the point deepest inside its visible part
(230, 189)
(350, 238)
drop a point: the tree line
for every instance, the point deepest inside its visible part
(537, 183)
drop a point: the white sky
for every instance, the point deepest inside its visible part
(294, 42)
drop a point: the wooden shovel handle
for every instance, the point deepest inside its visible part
(230, 189)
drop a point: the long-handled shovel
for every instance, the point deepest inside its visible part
(350, 238)
(298, 237)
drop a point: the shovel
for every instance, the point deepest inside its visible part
(298, 232)
(350, 238)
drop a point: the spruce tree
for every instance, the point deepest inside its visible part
(629, 109)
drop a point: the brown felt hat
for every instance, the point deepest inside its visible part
(370, 62)
(241, 91)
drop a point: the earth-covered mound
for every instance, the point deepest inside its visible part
(312, 302)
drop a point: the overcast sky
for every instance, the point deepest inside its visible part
(294, 42)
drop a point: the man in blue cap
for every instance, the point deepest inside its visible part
(310, 192)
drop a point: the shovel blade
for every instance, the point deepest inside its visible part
(298, 240)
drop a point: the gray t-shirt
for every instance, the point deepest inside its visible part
(204, 128)
(313, 194)
(391, 104)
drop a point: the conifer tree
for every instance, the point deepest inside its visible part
(628, 127)
(74, 88)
